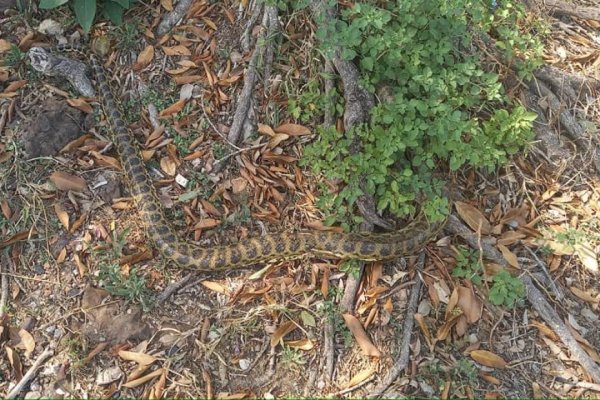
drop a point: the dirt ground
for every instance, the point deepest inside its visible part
(88, 298)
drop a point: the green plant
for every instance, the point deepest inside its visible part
(13, 57)
(86, 10)
(571, 236)
(132, 286)
(437, 105)
(465, 371)
(468, 265)
(350, 267)
(127, 35)
(506, 290)
(291, 358)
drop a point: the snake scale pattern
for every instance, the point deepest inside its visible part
(253, 250)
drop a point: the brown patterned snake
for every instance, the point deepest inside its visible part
(249, 251)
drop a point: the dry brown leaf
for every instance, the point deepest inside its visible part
(488, 359)
(106, 161)
(545, 330)
(445, 329)
(585, 296)
(302, 344)
(363, 340)
(293, 129)
(65, 181)
(177, 51)
(214, 286)
(140, 358)
(14, 86)
(81, 105)
(173, 108)
(280, 332)
(361, 376)
(62, 215)
(491, 379)
(144, 58)
(26, 342)
(22, 235)
(15, 362)
(278, 138)
(167, 4)
(6, 211)
(473, 218)
(266, 130)
(207, 223)
(168, 165)
(144, 379)
(587, 256)
(508, 255)
(5, 45)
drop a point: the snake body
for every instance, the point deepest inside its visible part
(253, 250)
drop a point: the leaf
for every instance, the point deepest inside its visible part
(26, 342)
(62, 215)
(15, 362)
(363, 340)
(81, 105)
(140, 358)
(173, 108)
(361, 376)
(307, 318)
(5, 45)
(168, 165)
(508, 255)
(177, 51)
(144, 379)
(49, 4)
(587, 255)
(473, 217)
(488, 359)
(281, 332)
(114, 11)
(214, 286)
(65, 181)
(85, 11)
(6, 211)
(144, 58)
(293, 129)
(470, 304)
(302, 344)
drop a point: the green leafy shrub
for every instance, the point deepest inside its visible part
(86, 10)
(437, 105)
(506, 290)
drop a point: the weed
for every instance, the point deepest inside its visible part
(506, 290)
(182, 143)
(13, 57)
(441, 106)
(132, 287)
(571, 236)
(350, 267)
(291, 358)
(127, 35)
(465, 371)
(468, 265)
(218, 150)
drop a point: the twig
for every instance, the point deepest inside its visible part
(30, 374)
(557, 292)
(329, 347)
(172, 288)
(539, 303)
(4, 263)
(407, 334)
(353, 388)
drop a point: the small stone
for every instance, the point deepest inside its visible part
(181, 180)
(244, 364)
(50, 27)
(108, 375)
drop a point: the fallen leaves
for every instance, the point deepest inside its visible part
(489, 359)
(359, 333)
(65, 181)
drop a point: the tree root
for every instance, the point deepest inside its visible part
(560, 7)
(535, 297)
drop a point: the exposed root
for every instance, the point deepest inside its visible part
(172, 18)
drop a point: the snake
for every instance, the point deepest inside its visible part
(269, 247)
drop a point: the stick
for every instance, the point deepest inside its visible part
(407, 334)
(30, 374)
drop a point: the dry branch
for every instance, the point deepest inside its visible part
(30, 374)
(407, 334)
(571, 9)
